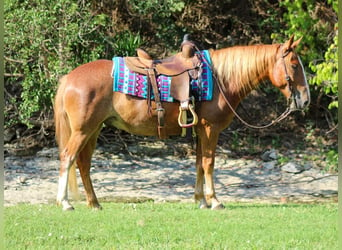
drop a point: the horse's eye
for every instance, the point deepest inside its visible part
(294, 66)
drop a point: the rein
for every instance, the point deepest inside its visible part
(278, 119)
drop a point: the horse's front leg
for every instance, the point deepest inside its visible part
(205, 161)
(199, 192)
(208, 167)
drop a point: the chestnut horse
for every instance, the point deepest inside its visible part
(85, 101)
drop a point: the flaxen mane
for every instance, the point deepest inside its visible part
(241, 68)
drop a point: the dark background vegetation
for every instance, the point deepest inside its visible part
(45, 39)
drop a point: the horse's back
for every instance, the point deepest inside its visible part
(95, 72)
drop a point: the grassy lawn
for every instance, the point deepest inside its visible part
(172, 226)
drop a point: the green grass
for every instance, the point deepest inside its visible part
(172, 226)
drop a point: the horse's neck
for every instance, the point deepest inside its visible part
(241, 69)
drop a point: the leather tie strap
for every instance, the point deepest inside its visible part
(160, 110)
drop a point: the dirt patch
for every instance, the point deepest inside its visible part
(155, 171)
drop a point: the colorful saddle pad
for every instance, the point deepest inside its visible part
(131, 83)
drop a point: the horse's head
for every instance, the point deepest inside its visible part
(289, 76)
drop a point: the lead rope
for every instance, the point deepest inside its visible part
(278, 119)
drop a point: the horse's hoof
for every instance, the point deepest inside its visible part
(68, 208)
(203, 206)
(219, 206)
(97, 208)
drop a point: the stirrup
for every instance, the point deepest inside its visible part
(182, 117)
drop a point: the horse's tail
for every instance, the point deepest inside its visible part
(63, 132)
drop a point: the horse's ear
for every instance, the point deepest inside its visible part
(295, 44)
(288, 45)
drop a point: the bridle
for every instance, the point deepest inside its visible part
(287, 78)
(280, 117)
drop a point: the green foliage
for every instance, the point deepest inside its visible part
(161, 15)
(327, 75)
(300, 22)
(325, 155)
(332, 160)
(45, 39)
(126, 44)
(160, 9)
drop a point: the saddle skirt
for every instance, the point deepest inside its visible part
(135, 84)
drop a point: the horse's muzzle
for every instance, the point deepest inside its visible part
(300, 100)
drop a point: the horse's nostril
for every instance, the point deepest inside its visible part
(306, 103)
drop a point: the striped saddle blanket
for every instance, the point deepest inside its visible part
(131, 83)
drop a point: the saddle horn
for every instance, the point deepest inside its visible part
(186, 37)
(187, 47)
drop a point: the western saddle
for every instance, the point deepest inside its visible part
(182, 67)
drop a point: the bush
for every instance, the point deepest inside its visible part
(45, 39)
(326, 77)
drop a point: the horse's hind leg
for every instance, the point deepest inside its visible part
(84, 163)
(67, 159)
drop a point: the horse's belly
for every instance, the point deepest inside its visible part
(131, 115)
(146, 128)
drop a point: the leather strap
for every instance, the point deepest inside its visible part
(160, 109)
